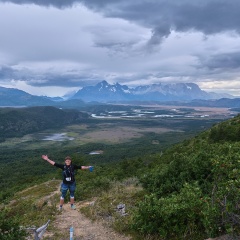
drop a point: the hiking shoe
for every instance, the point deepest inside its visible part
(73, 207)
(60, 209)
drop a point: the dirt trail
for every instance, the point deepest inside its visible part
(84, 228)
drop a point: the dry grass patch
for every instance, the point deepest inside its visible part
(104, 208)
(35, 205)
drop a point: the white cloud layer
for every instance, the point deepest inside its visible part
(51, 48)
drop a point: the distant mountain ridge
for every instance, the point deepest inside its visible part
(12, 97)
(105, 92)
(16, 97)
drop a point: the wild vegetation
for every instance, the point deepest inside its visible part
(16, 122)
(193, 189)
(184, 187)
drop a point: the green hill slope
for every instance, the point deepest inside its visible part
(194, 187)
(190, 191)
(16, 122)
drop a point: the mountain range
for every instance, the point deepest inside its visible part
(103, 92)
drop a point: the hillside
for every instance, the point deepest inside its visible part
(16, 97)
(16, 122)
(189, 191)
(194, 188)
(43, 199)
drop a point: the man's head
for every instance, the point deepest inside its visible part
(68, 160)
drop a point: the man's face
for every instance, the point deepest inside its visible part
(68, 162)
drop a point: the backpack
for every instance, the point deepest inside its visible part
(68, 173)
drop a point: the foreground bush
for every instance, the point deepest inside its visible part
(9, 228)
(194, 192)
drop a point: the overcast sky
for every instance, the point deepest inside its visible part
(52, 47)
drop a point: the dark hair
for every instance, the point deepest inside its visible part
(68, 158)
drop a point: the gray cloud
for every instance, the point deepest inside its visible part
(222, 62)
(67, 79)
(47, 3)
(6, 72)
(207, 16)
(71, 44)
(158, 34)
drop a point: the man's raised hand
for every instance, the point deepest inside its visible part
(45, 157)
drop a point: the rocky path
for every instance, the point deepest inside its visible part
(84, 228)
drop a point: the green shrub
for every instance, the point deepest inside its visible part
(179, 216)
(10, 228)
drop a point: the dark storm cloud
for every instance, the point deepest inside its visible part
(6, 72)
(9, 73)
(225, 61)
(207, 16)
(47, 79)
(81, 42)
(64, 80)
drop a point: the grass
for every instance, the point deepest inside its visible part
(104, 207)
(35, 205)
(110, 131)
(113, 134)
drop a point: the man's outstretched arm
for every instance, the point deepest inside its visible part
(45, 157)
(87, 167)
